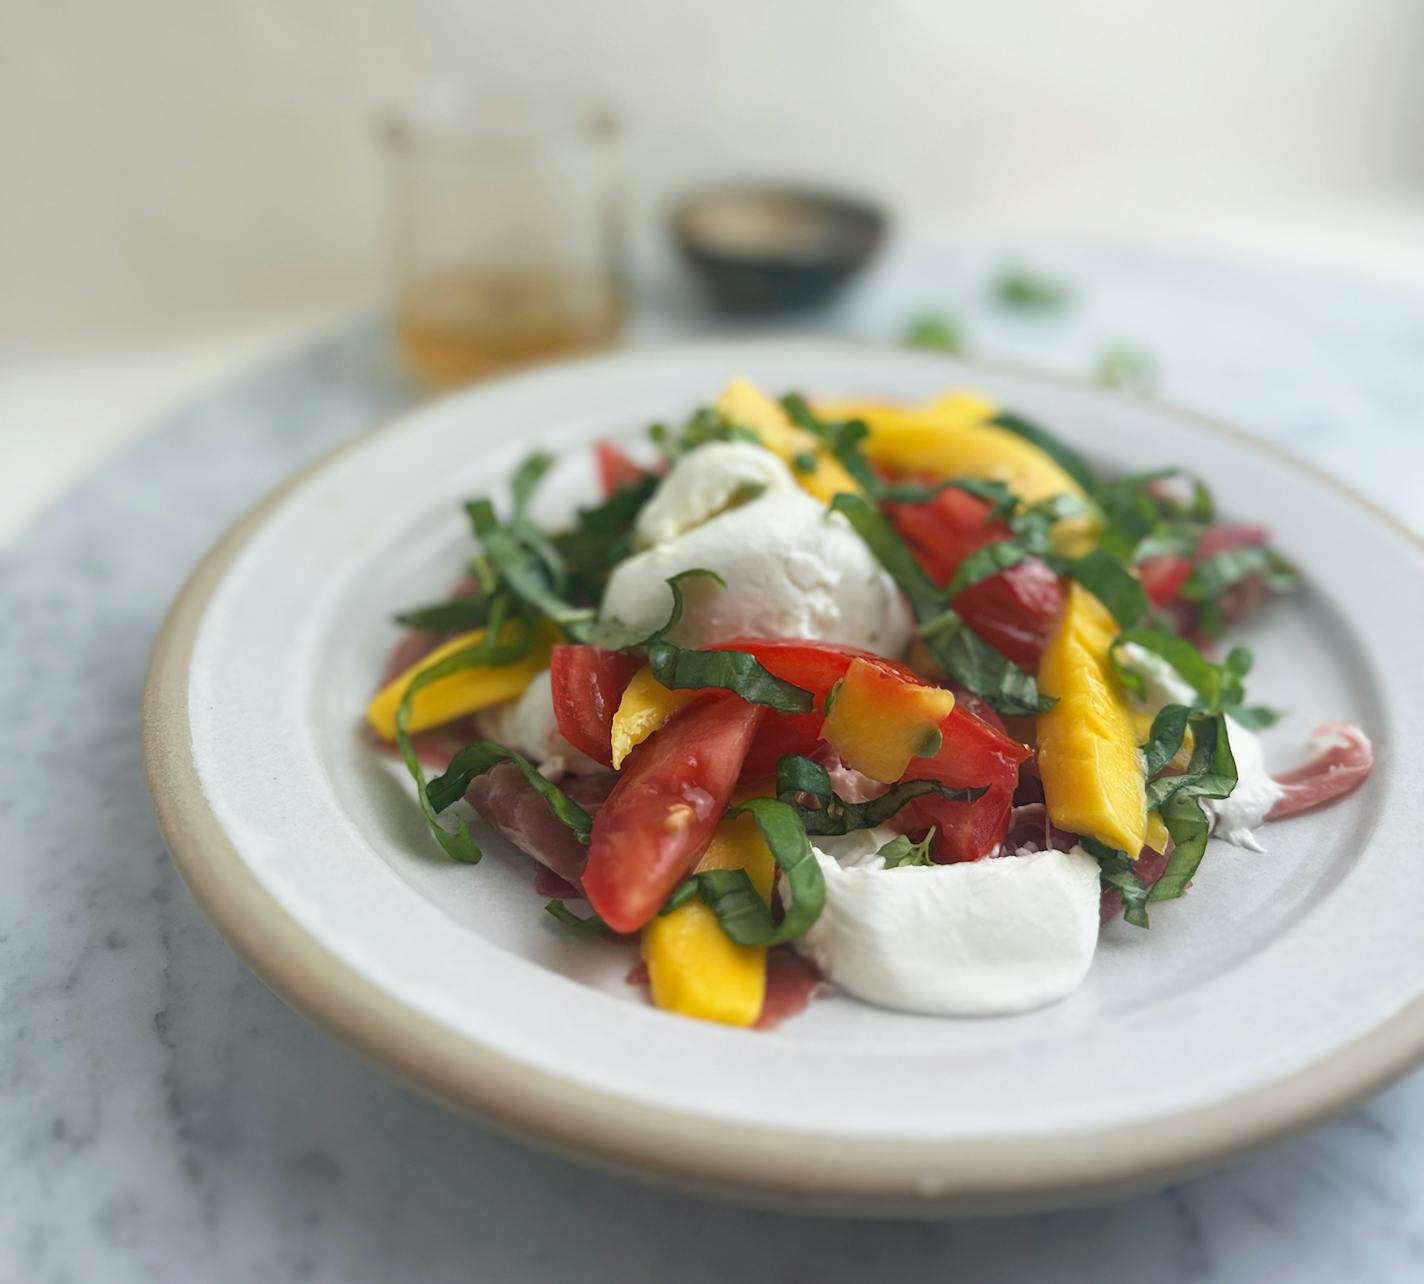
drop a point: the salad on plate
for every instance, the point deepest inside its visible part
(906, 701)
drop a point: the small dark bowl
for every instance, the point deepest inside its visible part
(769, 248)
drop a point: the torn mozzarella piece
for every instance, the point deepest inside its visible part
(981, 938)
(791, 568)
(528, 726)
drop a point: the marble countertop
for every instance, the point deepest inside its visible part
(166, 1118)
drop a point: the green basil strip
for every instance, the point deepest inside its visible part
(740, 672)
(527, 478)
(1068, 459)
(1187, 824)
(1213, 575)
(1033, 524)
(1254, 717)
(751, 924)
(1212, 770)
(460, 615)
(617, 637)
(969, 660)
(458, 843)
(557, 909)
(1169, 728)
(841, 437)
(834, 816)
(1116, 870)
(1116, 587)
(476, 759)
(926, 597)
(523, 571)
(983, 563)
(957, 649)
(995, 493)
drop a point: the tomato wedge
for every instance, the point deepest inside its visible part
(587, 683)
(658, 820)
(1163, 576)
(1015, 610)
(615, 469)
(973, 753)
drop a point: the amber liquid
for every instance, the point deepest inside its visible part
(458, 328)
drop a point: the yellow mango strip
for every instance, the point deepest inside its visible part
(748, 407)
(464, 692)
(878, 722)
(693, 966)
(1093, 777)
(1156, 833)
(645, 707)
(951, 437)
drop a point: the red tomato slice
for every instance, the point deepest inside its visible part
(615, 469)
(658, 820)
(973, 753)
(1163, 576)
(1013, 611)
(587, 683)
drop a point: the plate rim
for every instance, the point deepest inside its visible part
(748, 1162)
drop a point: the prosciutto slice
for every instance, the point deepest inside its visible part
(512, 807)
(1344, 759)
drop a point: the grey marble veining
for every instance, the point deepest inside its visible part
(163, 1117)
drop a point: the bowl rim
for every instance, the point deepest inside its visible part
(773, 1166)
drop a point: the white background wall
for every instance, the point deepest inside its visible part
(168, 166)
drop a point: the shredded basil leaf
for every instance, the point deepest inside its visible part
(1116, 587)
(833, 815)
(493, 648)
(1177, 799)
(926, 597)
(682, 669)
(841, 437)
(983, 563)
(1068, 459)
(1169, 728)
(995, 493)
(526, 479)
(476, 759)
(1219, 686)
(744, 916)
(614, 636)
(1116, 870)
(471, 611)
(566, 916)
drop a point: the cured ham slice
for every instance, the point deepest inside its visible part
(1344, 758)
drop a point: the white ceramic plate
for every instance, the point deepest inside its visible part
(1284, 987)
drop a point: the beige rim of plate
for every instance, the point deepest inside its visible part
(750, 1163)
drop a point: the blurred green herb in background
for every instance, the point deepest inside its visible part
(1128, 368)
(935, 330)
(1021, 287)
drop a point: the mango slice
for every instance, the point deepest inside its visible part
(693, 966)
(749, 407)
(952, 437)
(877, 722)
(645, 707)
(464, 692)
(1093, 777)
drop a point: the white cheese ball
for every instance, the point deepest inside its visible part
(791, 568)
(527, 725)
